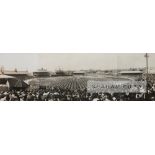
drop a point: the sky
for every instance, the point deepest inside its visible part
(73, 61)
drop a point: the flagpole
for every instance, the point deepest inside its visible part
(147, 71)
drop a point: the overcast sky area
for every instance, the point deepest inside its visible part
(75, 61)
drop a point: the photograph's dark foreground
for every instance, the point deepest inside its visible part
(56, 94)
(77, 77)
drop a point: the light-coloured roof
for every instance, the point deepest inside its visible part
(15, 72)
(131, 72)
(2, 76)
(41, 71)
(78, 72)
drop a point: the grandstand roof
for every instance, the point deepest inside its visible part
(2, 76)
(15, 72)
(78, 72)
(131, 72)
(41, 70)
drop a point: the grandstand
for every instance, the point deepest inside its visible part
(79, 73)
(131, 74)
(41, 73)
(22, 75)
(60, 72)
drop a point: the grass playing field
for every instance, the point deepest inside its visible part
(70, 82)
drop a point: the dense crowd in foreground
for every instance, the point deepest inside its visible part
(57, 94)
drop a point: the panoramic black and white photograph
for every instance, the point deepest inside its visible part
(77, 77)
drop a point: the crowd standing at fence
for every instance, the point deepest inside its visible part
(57, 94)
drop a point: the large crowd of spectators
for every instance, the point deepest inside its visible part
(57, 94)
